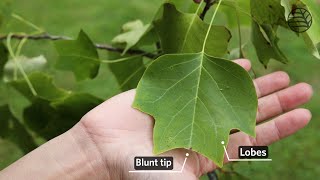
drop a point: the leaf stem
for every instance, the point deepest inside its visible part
(25, 76)
(210, 26)
(106, 61)
(118, 60)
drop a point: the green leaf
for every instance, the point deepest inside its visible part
(314, 31)
(103, 86)
(9, 153)
(128, 73)
(79, 56)
(76, 105)
(182, 33)
(15, 101)
(265, 42)
(50, 119)
(268, 15)
(4, 120)
(15, 131)
(28, 64)
(268, 12)
(3, 57)
(132, 33)
(43, 85)
(309, 43)
(196, 99)
(3, 96)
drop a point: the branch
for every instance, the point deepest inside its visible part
(98, 46)
(209, 3)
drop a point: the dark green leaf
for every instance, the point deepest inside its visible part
(15, 131)
(268, 12)
(76, 105)
(3, 57)
(184, 33)
(42, 84)
(79, 56)
(15, 101)
(266, 44)
(103, 86)
(128, 73)
(52, 119)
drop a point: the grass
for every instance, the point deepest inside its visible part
(296, 157)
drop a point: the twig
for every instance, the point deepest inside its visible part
(98, 46)
(209, 3)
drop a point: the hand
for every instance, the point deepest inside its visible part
(120, 132)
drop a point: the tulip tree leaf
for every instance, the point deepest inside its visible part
(42, 84)
(311, 47)
(314, 30)
(266, 44)
(132, 33)
(268, 12)
(192, 32)
(196, 99)
(79, 56)
(50, 119)
(14, 100)
(15, 131)
(129, 72)
(103, 86)
(268, 15)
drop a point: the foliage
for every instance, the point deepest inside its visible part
(182, 44)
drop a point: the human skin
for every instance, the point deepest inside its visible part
(105, 141)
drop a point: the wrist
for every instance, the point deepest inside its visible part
(71, 155)
(85, 160)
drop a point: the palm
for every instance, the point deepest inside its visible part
(121, 132)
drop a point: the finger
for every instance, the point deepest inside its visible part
(267, 84)
(270, 132)
(246, 64)
(271, 83)
(283, 101)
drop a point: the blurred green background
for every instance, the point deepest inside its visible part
(296, 157)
